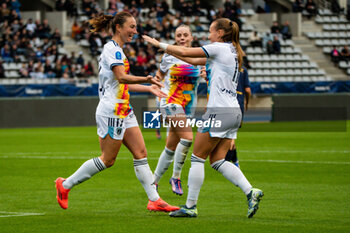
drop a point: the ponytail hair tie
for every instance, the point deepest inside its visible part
(231, 23)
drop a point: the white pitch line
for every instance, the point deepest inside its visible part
(290, 161)
(10, 154)
(5, 214)
(156, 158)
(295, 151)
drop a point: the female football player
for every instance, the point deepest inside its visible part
(181, 82)
(116, 122)
(223, 60)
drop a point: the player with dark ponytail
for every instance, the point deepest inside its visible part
(116, 121)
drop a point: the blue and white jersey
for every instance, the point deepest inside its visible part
(114, 96)
(222, 74)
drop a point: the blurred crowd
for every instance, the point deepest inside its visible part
(270, 41)
(155, 20)
(342, 54)
(35, 45)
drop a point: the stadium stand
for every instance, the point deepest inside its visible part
(68, 55)
(333, 38)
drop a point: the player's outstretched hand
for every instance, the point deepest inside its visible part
(155, 90)
(154, 81)
(150, 40)
(203, 74)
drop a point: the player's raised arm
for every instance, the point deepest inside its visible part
(174, 49)
(124, 78)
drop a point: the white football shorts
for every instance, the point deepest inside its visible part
(229, 124)
(170, 109)
(115, 127)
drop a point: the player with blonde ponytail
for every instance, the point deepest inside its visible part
(223, 59)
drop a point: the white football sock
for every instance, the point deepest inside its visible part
(233, 174)
(195, 180)
(165, 159)
(181, 151)
(85, 172)
(145, 176)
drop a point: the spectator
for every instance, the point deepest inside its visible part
(195, 42)
(14, 53)
(44, 29)
(142, 59)
(80, 72)
(269, 47)
(80, 60)
(56, 36)
(15, 5)
(119, 5)
(71, 8)
(136, 69)
(311, 8)
(298, 6)
(31, 26)
(275, 28)
(197, 24)
(203, 41)
(65, 77)
(64, 65)
(58, 69)
(197, 8)
(89, 69)
(6, 53)
(24, 71)
(73, 72)
(30, 66)
(335, 56)
(336, 9)
(151, 68)
(72, 59)
(286, 31)
(255, 40)
(267, 37)
(228, 5)
(15, 26)
(59, 6)
(5, 11)
(345, 53)
(37, 73)
(237, 7)
(49, 72)
(276, 45)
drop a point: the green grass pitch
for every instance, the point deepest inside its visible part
(305, 177)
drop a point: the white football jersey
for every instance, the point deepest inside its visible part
(222, 74)
(180, 82)
(114, 96)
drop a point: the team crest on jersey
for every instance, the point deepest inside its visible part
(118, 55)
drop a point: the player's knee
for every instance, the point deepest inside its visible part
(109, 162)
(186, 141)
(141, 153)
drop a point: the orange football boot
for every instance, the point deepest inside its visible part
(160, 205)
(62, 193)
